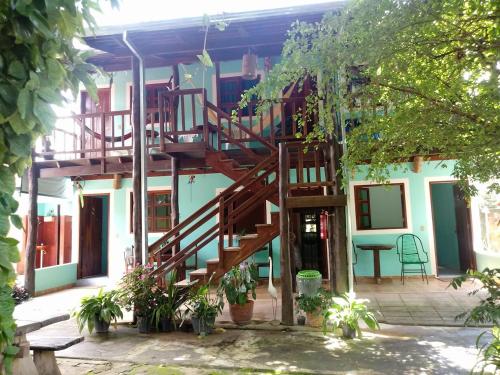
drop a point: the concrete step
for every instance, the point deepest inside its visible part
(186, 283)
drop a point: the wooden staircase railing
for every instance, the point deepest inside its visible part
(223, 203)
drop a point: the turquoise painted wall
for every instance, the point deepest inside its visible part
(55, 276)
(443, 211)
(191, 198)
(390, 265)
(487, 260)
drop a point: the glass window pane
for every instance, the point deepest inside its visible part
(382, 206)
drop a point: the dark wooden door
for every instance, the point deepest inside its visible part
(464, 231)
(311, 244)
(91, 237)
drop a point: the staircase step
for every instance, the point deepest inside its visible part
(186, 283)
(264, 225)
(199, 272)
(213, 261)
(249, 236)
(232, 248)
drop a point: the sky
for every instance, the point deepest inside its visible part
(134, 11)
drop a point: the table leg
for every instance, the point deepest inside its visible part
(376, 266)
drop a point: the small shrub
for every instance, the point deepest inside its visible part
(19, 294)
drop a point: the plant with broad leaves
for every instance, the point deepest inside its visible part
(38, 61)
(103, 307)
(489, 352)
(238, 282)
(347, 311)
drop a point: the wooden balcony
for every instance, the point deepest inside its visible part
(185, 124)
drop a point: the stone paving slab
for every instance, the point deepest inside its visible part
(392, 350)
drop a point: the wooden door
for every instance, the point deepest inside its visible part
(91, 237)
(464, 231)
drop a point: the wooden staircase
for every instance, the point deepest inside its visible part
(234, 255)
(226, 209)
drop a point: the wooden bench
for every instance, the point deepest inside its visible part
(43, 352)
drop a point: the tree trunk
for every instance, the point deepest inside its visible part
(29, 269)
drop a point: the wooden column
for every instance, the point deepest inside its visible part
(286, 274)
(337, 229)
(29, 268)
(177, 86)
(174, 195)
(136, 160)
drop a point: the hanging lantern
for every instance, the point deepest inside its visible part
(249, 66)
(323, 221)
(417, 163)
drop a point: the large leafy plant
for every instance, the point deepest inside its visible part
(104, 306)
(487, 312)
(239, 282)
(349, 311)
(38, 61)
(316, 303)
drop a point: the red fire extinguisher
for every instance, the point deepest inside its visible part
(323, 221)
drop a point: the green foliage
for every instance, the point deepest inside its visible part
(170, 299)
(489, 353)
(488, 310)
(138, 291)
(104, 306)
(239, 282)
(38, 61)
(348, 311)
(202, 305)
(316, 303)
(421, 77)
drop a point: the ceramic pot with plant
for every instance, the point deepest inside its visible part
(169, 300)
(204, 308)
(346, 312)
(238, 285)
(314, 306)
(139, 293)
(97, 312)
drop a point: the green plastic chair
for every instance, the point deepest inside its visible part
(411, 254)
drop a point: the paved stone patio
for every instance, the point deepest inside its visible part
(392, 350)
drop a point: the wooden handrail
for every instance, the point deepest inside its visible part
(241, 127)
(213, 202)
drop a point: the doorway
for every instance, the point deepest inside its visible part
(312, 247)
(452, 229)
(94, 227)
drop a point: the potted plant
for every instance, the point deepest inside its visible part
(169, 300)
(139, 293)
(98, 311)
(204, 309)
(345, 312)
(314, 306)
(237, 284)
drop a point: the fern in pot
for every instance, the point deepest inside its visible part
(346, 312)
(98, 311)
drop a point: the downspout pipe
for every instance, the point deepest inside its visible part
(144, 174)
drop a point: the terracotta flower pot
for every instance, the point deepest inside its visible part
(241, 314)
(314, 319)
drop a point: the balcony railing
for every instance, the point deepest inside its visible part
(182, 116)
